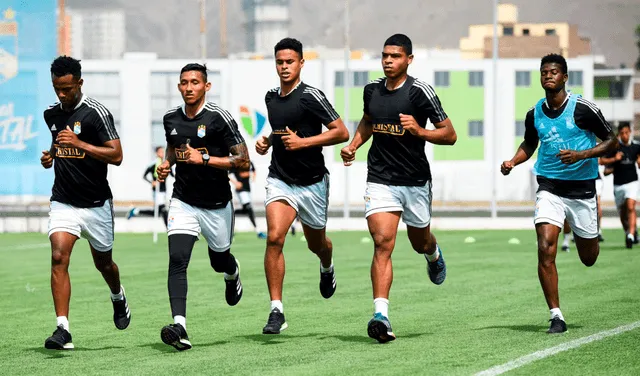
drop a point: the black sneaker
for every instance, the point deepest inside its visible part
(175, 335)
(629, 241)
(121, 313)
(565, 248)
(233, 290)
(557, 326)
(328, 284)
(437, 270)
(59, 340)
(275, 323)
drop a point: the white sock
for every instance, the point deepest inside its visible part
(180, 320)
(326, 270)
(381, 305)
(118, 296)
(277, 304)
(62, 320)
(434, 256)
(555, 312)
(565, 240)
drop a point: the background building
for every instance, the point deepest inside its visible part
(523, 40)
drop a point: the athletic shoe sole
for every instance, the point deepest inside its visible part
(172, 338)
(378, 331)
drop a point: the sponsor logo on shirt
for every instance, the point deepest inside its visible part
(392, 129)
(68, 152)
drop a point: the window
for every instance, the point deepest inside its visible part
(339, 79)
(441, 79)
(550, 32)
(520, 128)
(476, 78)
(165, 95)
(507, 30)
(358, 78)
(575, 78)
(476, 128)
(105, 88)
(523, 78)
(525, 32)
(616, 89)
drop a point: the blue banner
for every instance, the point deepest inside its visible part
(28, 44)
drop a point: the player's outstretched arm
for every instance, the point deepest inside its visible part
(110, 152)
(239, 158)
(165, 167)
(605, 147)
(524, 152)
(336, 133)
(444, 134)
(362, 135)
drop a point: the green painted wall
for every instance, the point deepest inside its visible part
(355, 114)
(462, 103)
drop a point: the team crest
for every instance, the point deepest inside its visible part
(76, 127)
(202, 130)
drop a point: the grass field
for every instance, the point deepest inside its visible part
(489, 311)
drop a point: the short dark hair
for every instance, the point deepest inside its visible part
(555, 59)
(622, 126)
(288, 44)
(158, 148)
(400, 40)
(64, 65)
(202, 68)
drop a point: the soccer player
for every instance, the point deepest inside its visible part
(160, 197)
(84, 143)
(396, 110)
(240, 180)
(566, 125)
(625, 180)
(203, 142)
(298, 181)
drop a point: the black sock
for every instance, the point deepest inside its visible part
(247, 208)
(222, 262)
(165, 214)
(180, 247)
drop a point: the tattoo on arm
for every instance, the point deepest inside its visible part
(239, 156)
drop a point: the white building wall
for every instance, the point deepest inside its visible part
(244, 83)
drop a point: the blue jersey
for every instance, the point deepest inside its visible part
(562, 133)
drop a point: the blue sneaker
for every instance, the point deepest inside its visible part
(437, 269)
(131, 213)
(379, 328)
(262, 235)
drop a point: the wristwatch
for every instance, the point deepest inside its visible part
(205, 159)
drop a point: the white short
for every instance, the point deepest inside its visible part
(582, 214)
(244, 197)
(215, 225)
(599, 187)
(93, 224)
(310, 201)
(414, 202)
(625, 191)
